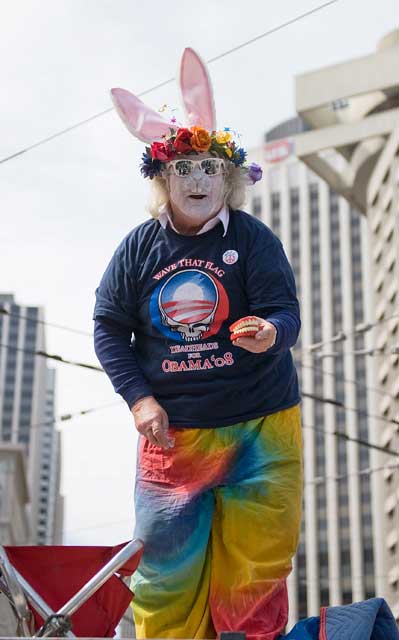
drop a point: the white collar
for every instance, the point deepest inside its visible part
(223, 216)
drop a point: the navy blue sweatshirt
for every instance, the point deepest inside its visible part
(163, 310)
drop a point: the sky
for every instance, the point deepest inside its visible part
(66, 205)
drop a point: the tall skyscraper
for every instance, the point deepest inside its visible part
(324, 239)
(353, 111)
(49, 520)
(27, 409)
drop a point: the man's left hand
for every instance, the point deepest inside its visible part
(262, 341)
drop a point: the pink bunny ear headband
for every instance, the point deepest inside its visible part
(200, 136)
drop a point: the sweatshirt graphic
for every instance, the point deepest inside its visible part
(178, 295)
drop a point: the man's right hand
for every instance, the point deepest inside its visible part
(152, 422)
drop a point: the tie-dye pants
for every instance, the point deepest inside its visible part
(220, 517)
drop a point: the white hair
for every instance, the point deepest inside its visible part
(235, 194)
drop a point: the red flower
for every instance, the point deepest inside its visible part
(182, 141)
(162, 151)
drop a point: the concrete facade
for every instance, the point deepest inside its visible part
(325, 240)
(14, 496)
(14, 523)
(27, 409)
(353, 111)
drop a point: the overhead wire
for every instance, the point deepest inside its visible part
(309, 351)
(305, 394)
(315, 480)
(340, 336)
(338, 434)
(323, 581)
(5, 311)
(357, 383)
(359, 441)
(363, 443)
(65, 417)
(372, 351)
(345, 476)
(12, 314)
(96, 368)
(341, 405)
(50, 356)
(166, 82)
(362, 327)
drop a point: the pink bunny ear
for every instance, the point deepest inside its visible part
(144, 123)
(196, 90)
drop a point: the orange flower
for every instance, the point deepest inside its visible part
(201, 140)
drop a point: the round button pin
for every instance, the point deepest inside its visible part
(230, 256)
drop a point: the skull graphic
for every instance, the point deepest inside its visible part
(188, 302)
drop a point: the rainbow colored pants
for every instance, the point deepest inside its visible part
(220, 518)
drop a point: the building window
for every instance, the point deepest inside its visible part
(257, 206)
(275, 210)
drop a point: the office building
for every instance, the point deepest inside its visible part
(324, 238)
(352, 110)
(27, 410)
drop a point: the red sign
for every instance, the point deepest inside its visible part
(278, 151)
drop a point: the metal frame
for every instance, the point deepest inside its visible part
(20, 592)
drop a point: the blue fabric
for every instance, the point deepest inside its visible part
(368, 620)
(112, 344)
(178, 295)
(305, 630)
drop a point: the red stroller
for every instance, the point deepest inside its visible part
(67, 591)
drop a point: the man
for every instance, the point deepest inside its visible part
(219, 468)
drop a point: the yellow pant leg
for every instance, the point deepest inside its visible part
(256, 530)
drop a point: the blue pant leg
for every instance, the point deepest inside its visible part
(171, 585)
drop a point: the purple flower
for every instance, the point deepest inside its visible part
(254, 172)
(150, 167)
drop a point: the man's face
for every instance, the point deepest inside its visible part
(198, 196)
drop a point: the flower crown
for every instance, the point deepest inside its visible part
(196, 140)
